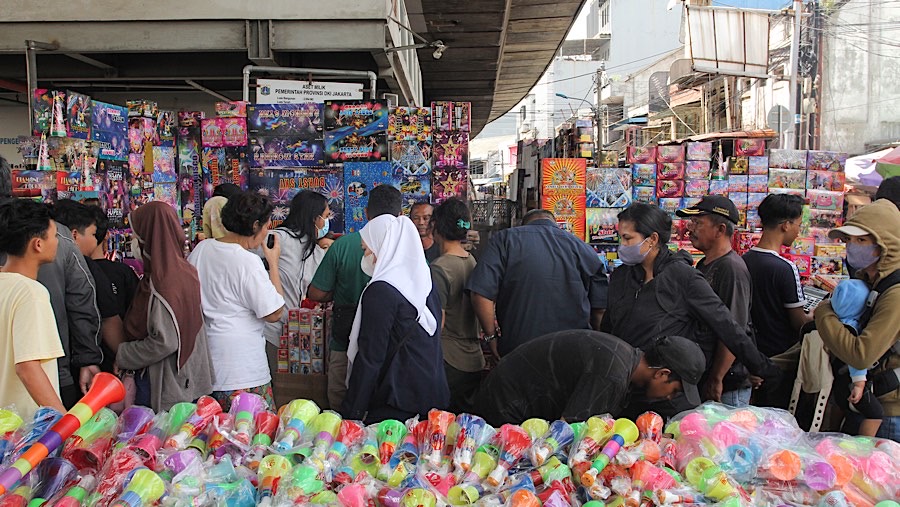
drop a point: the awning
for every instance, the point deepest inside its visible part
(626, 122)
(742, 134)
(486, 181)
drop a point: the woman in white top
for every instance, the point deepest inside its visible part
(306, 224)
(238, 297)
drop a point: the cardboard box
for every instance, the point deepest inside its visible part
(289, 387)
(283, 363)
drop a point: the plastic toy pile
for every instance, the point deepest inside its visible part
(196, 455)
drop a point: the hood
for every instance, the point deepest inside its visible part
(667, 257)
(881, 219)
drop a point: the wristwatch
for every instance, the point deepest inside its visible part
(491, 337)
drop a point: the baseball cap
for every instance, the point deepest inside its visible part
(714, 204)
(685, 359)
(847, 230)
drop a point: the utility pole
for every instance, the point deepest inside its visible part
(795, 69)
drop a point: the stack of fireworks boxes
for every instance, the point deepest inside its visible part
(302, 347)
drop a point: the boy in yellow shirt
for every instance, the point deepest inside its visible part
(29, 340)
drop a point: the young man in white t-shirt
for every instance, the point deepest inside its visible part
(29, 340)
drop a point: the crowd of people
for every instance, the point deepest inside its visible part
(415, 313)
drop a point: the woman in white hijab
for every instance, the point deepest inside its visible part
(396, 367)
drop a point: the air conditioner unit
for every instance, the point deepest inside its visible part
(393, 99)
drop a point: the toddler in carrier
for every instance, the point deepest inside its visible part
(849, 304)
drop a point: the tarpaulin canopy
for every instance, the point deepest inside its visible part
(889, 165)
(862, 168)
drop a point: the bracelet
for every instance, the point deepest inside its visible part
(490, 337)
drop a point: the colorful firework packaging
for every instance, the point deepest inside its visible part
(447, 183)
(286, 152)
(602, 225)
(109, 131)
(452, 116)
(299, 120)
(410, 124)
(411, 158)
(351, 146)
(451, 149)
(166, 128)
(608, 187)
(78, 115)
(42, 105)
(359, 179)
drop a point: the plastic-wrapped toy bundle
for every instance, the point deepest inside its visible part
(766, 459)
(196, 456)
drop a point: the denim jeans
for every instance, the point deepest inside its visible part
(890, 429)
(738, 397)
(890, 426)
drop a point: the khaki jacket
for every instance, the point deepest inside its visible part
(882, 220)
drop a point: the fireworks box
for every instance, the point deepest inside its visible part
(302, 357)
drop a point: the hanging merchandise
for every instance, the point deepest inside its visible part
(37, 185)
(281, 184)
(410, 124)
(190, 184)
(166, 128)
(119, 195)
(78, 115)
(42, 107)
(109, 131)
(451, 116)
(303, 121)
(356, 131)
(359, 179)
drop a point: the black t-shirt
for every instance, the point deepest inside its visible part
(573, 374)
(776, 288)
(730, 280)
(107, 304)
(123, 282)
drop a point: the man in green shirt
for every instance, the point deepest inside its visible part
(339, 278)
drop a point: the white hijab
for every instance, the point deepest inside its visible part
(400, 261)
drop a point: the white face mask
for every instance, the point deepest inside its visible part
(367, 264)
(136, 249)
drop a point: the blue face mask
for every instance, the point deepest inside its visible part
(861, 256)
(631, 255)
(320, 233)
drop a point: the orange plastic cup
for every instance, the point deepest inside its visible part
(784, 465)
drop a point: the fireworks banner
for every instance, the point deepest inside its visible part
(281, 184)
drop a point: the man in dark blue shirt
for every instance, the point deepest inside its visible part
(539, 279)
(577, 374)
